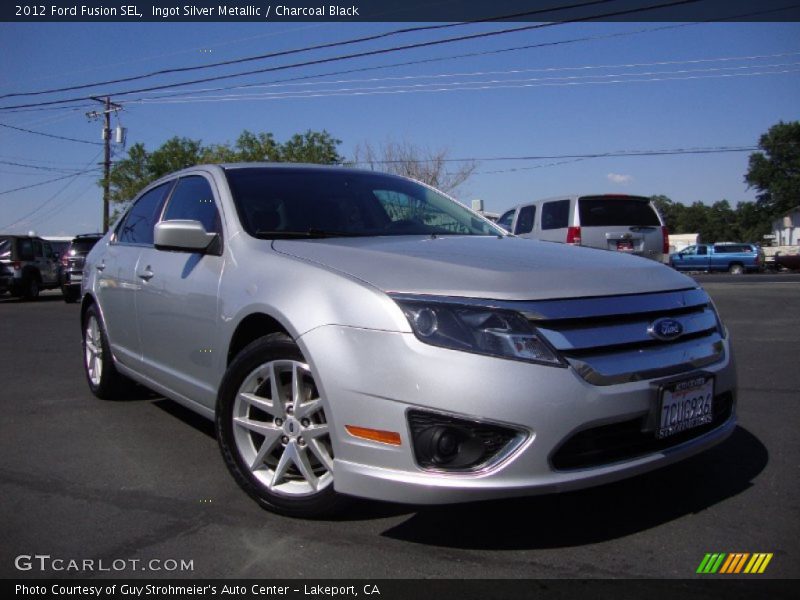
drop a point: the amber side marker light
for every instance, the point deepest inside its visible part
(375, 435)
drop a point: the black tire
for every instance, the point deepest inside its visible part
(294, 493)
(736, 269)
(70, 297)
(30, 287)
(106, 383)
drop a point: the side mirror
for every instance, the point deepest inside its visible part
(184, 236)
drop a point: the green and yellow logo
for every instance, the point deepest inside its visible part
(741, 562)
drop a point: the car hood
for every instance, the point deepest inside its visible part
(486, 267)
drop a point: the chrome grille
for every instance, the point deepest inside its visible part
(76, 262)
(606, 340)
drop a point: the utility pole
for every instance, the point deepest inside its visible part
(108, 107)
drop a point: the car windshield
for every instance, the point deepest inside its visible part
(312, 203)
(601, 211)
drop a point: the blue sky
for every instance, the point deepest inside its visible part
(622, 87)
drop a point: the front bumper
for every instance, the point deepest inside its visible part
(372, 378)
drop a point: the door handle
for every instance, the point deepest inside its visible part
(147, 274)
(101, 267)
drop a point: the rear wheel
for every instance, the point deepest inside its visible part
(101, 374)
(273, 430)
(30, 289)
(736, 269)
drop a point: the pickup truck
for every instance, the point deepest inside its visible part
(733, 258)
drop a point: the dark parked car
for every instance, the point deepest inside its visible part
(28, 264)
(72, 264)
(788, 261)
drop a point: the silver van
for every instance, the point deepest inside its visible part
(622, 223)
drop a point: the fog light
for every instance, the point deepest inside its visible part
(426, 322)
(448, 443)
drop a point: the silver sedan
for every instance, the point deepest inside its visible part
(353, 333)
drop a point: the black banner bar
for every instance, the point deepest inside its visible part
(398, 10)
(402, 589)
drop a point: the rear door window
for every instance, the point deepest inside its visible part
(525, 219)
(137, 227)
(555, 215)
(25, 249)
(603, 211)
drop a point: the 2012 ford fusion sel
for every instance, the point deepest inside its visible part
(353, 333)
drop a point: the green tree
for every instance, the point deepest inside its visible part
(129, 175)
(752, 221)
(311, 147)
(669, 210)
(254, 148)
(695, 219)
(175, 154)
(721, 223)
(775, 171)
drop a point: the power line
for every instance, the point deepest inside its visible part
(41, 168)
(73, 178)
(50, 135)
(359, 40)
(366, 53)
(33, 185)
(612, 154)
(481, 53)
(290, 80)
(142, 59)
(488, 85)
(466, 74)
(49, 214)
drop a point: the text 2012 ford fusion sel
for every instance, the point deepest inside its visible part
(356, 333)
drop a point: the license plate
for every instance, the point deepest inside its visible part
(684, 405)
(625, 245)
(76, 277)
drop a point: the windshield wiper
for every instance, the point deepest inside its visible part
(311, 233)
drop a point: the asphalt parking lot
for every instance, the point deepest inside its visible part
(142, 479)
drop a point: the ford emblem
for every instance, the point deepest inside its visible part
(665, 329)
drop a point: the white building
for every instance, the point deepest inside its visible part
(787, 229)
(679, 241)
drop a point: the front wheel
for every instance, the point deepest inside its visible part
(273, 431)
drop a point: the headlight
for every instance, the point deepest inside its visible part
(494, 332)
(721, 329)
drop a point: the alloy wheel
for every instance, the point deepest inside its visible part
(93, 350)
(280, 430)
